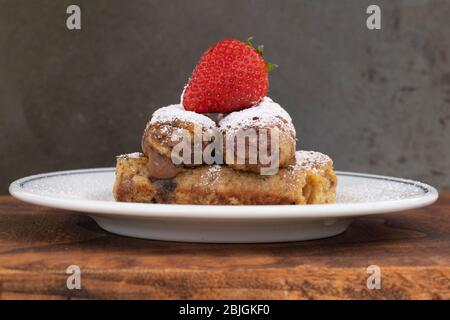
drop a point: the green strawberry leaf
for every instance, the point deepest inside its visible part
(249, 41)
(271, 66)
(260, 50)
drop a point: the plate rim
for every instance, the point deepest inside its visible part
(234, 212)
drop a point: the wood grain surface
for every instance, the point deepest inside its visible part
(38, 244)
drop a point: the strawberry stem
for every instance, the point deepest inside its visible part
(260, 50)
(271, 66)
(249, 41)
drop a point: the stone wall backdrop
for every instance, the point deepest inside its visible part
(376, 101)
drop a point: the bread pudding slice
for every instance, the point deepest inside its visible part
(311, 180)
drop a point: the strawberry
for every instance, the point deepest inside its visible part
(231, 75)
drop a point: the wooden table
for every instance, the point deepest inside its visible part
(37, 245)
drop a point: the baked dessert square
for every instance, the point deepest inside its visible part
(311, 180)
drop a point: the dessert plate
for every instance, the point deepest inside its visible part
(90, 191)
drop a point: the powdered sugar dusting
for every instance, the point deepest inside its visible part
(211, 175)
(174, 134)
(177, 134)
(132, 155)
(311, 160)
(177, 112)
(96, 184)
(354, 189)
(266, 113)
(90, 185)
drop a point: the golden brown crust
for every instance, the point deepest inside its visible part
(223, 185)
(296, 184)
(320, 186)
(162, 137)
(132, 184)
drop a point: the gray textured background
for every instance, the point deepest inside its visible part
(376, 101)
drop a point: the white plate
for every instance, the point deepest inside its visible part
(90, 191)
